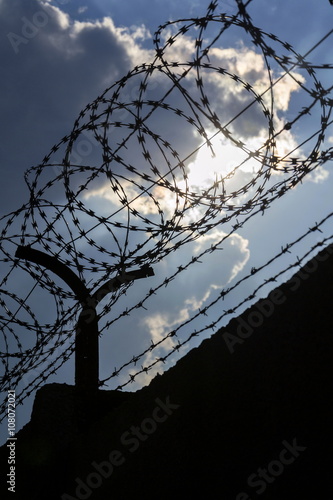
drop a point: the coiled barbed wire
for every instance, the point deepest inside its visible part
(137, 165)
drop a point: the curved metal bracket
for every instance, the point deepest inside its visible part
(86, 338)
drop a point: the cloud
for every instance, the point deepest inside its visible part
(78, 59)
(226, 94)
(319, 175)
(228, 97)
(186, 298)
(236, 249)
(54, 67)
(174, 305)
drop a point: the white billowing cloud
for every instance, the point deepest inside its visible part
(319, 175)
(242, 61)
(196, 289)
(192, 291)
(55, 12)
(228, 98)
(139, 200)
(241, 244)
(83, 32)
(250, 67)
(285, 87)
(239, 249)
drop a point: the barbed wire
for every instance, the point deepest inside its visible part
(64, 355)
(139, 166)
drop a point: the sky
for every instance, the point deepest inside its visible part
(57, 56)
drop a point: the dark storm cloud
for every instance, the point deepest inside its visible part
(50, 69)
